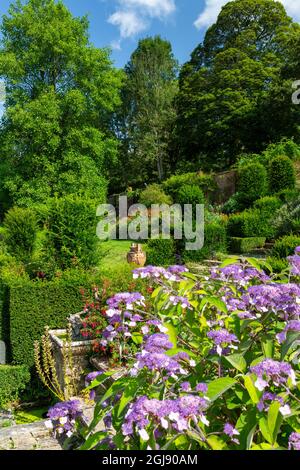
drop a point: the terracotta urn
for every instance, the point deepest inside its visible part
(136, 255)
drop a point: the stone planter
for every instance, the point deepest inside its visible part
(81, 350)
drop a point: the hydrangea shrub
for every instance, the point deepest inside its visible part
(217, 367)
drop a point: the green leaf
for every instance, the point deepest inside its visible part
(268, 347)
(274, 420)
(253, 392)
(219, 386)
(264, 429)
(291, 338)
(217, 443)
(237, 361)
(229, 261)
(93, 440)
(172, 333)
(215, 302)
(100, 379)
(137, 338)
(246, 425)
(128, 395)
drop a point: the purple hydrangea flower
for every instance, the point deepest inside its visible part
(294, 262)
(186, 387)
(173, 273)
(281, 299)
(230, 431)
(294, 441)
(203, 388)
(158, 342)
(182, 301)
(293, 325)
(63, 417)
(126, 298)
(222, 339)
(237, 274)
(166, 413)
(272, 372)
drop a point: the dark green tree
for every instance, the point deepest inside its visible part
(233, 96)
(148, 114)
(56, 134)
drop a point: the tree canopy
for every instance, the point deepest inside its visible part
(234, 84)
(56, 135)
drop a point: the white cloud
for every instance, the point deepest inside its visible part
(129, 23)
(132, 16)
(213, 7)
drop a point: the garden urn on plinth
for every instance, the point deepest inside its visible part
(136, 255)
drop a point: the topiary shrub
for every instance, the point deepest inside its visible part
(13, 380)
(20, 232)
(250, 223)
(268, 205)
(190, 194)
(154, 194)
(160, 252)
(285, 246)
(71, 236)
(281, 174)
(245, 245)
(175, 183)
(252, 183)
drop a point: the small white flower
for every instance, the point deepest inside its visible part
(174, 416)
(192, 363)
(63, 420)
(145, 330)
(49, 424)
(285, 410)
(219, 350)
(204, 420)
(144, 435)
(162, 329)
(164, 423)
(260, 384)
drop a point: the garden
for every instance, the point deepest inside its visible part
(144, 344)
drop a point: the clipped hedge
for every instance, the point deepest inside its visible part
(251, 223)
(13, 380)
(29, 306)
(160, 252)
(245, 245)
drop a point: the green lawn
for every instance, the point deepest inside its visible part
(115, 253)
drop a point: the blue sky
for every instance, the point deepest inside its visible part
(121, 23)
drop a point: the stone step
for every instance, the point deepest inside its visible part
(33, 436)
